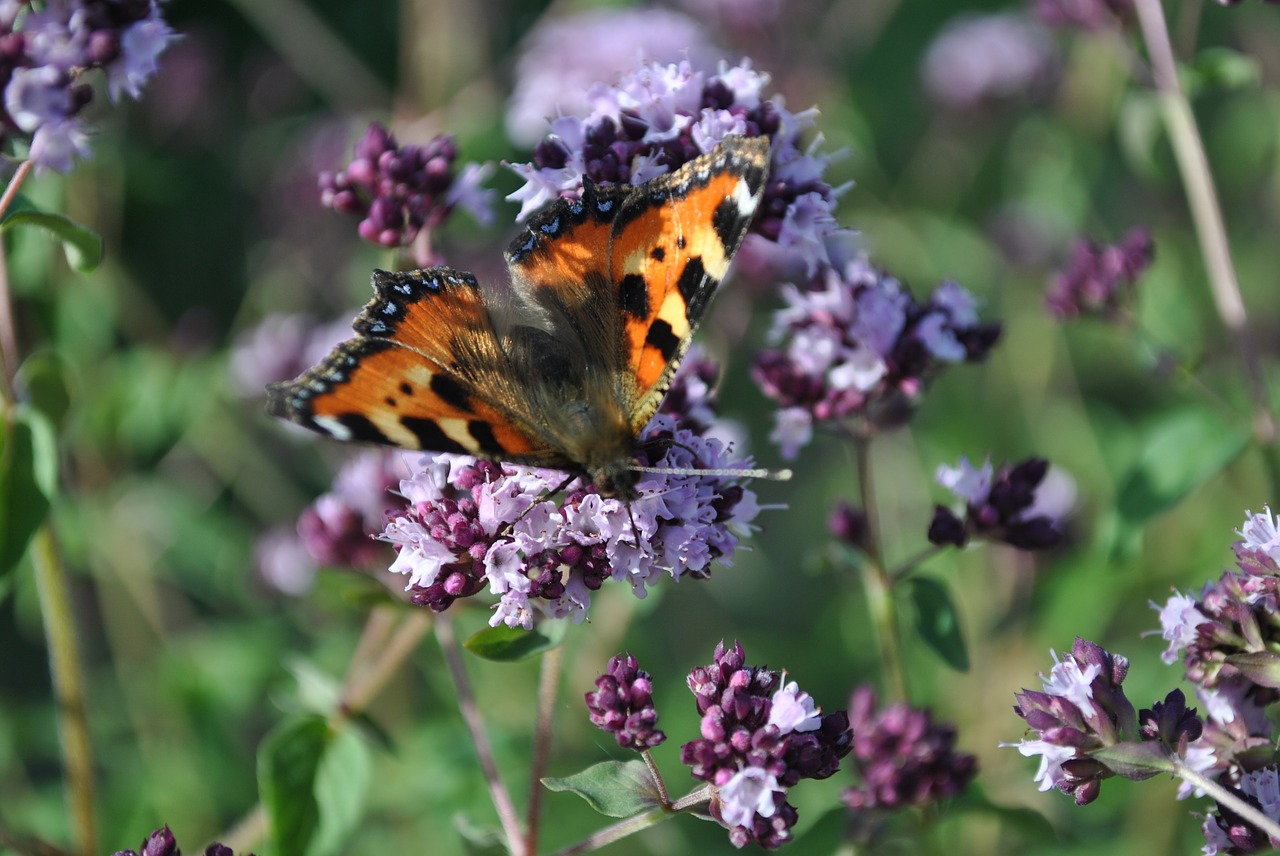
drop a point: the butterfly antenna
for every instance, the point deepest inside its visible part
(728, 472)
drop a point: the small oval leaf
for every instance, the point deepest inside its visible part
(28, 479)
(938, 621)
(82, 245)
(613, 788)
(288, 762)
(508, 644)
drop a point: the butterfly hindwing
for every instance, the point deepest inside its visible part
(418, 375)
(669, 250)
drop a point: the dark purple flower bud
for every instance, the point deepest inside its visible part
(1085, 14)
(622, 704)
(1101, 280)
(946, 528)
(1171, 722)
(849, 524)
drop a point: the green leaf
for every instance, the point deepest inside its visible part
(938, 621)
(1261, 667)
(1135, 760)
(1223, 69)
(1140, 129)
(507, 644)
(613, 788)
(288, 763)
(41, 382)
(341, 785)
(1177, 454)
(479, 840)
(82, 245)
(28, 481)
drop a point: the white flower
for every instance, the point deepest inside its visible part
(794, 710)
(970, 483)
(1067, 680)
(749, 793)
(1179, 619)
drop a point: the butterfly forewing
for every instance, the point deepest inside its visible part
(670, 248)
(424, 373)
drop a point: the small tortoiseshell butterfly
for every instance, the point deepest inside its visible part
(563, 366)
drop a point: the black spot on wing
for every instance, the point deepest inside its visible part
(662, 337)
(450, 391)
(482, 433)
(406, 388)
(633, 296)
(658, 254)
(430, 436)
(729, 224)
(362, 429)
(693, 279)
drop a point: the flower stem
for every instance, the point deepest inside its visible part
(8, 330)
(877, 581)
(1206, 213)
(68, 686)
(479, 736)
(634, 824)
(657, 776)
(1225, 797)
(548, 690)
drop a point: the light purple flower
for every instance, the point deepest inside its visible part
(140, 47)
(794, 710)
(56, 144)
(750, 792)
(1179, 619)
(979, 59)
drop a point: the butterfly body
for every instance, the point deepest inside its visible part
(563, 365)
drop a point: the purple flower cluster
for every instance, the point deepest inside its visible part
(45, 53)
(622, 704)
(1101, 280)
(659, 117)
(902, 757)
(760, 736)
(280, 348)
(985, 59)
(1228, 631)
(470, 523)
(162, 843)
(858, 347)
(1021, 505)
(399, 191)
(1086, 730)
(1228, 833)
(1085, 14)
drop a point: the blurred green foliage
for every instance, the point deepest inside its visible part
(204, 195)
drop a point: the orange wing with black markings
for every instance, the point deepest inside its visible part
(420, 375)
(670, 249)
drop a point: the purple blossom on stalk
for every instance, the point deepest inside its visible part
(471, 524)
(622, 704)
(1085, 730)
(760, 736)
(162, 843)
(1022, 505)
(1228, 833)
(658, 117)
(339, 529)
(857, 347)
(1227, 631)
(984, 59)
(902, 758)
(1085, 14)
(399, 191)
(551, 81)
(1101, 280)
(45, 55)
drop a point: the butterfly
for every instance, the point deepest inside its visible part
(563, 365)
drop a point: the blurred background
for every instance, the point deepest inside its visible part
(981, 145)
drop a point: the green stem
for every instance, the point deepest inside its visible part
(877, 581)
(548, 690)
(904, 570)
(68, 687)
(1206, 213)
(8, 329)
(479, 736)
(634, 824)
(1226, 797)
(657, 776)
